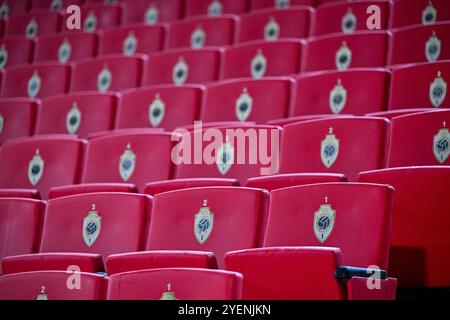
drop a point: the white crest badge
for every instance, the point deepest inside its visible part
(348, 23)
(130, 44)
(34, 85)
(151, 15)
(42, 295)
(324, 222)
(271, 30)
(104, 79)
(329, 150)
(343, 57)
(56, 5)
(215, 8)
(32, 29)
(438, 90)
(244, 105)
(3, 56)
(282, 4)
(73, 119)
(429, 14)
(338, 97)
(90, 23)
(433, 48)
(64, 51)
(156, 111)
(35, 168)
(203, 223)
(198, 38)
(258, 66)
(4, 11)
(127, 163)
(441, 143)
(169, 295)
(225, 157)
(180, 72)
(91, 226)
(1, 123)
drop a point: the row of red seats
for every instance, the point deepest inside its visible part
(346, 145)
(331, 15)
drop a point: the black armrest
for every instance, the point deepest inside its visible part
(345, 272)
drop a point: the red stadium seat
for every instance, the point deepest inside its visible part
(235, 153)
(214, 7)
(15, 51)
(308, 274)
(338, 92)
(34, 24)
(279, 4)
(53, 5)
(429, 44)
(273, 24)
(180, 66)
(345, 145)
(129, 40)
(153, 11)
(77, 113)
(204, 219)
(97, 17)
(69, 190)
(17, 117)
(395, 113)
(2, 27)
(359, 49)
(409, 12)
(40, 163)
(133, 157)
(154, 188)
(428, 146)
(10, 8)
(38, 80)
(20, 226)
(422, 85)
(20, 193)
(175, 283)
(348, 17)
(51, 285)
(67, 47)
(257, 59)
(112, 73)
(285, 121)
(199, 32)
(419, 252)
(166, 106)
(247, 100)
(279, 181)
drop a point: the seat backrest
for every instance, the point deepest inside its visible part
(214, 7)
(154, 188)
(69, 190)
(15, 51)
(279, 181)
(96, 17)
(409, 12)
(153, 11)
(279, 4)
(17, 117)
(31, 25)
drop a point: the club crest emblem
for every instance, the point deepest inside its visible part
(34, 85)
(151, 15)
(42, 295)
(1, 123)
(32, 29)
(180, 72)
(203, 223)
(3, 56)
(329, 149)
(104, 79)
(433, 48)
(259, 65)
(35, 168)
(324, 222)
(338, 97)
(215, 8)
(343, 57)
(130, 44)
(441, 148)
(429, 14)
(91, 226)
(244, 105)
(73, 119)
(348, 23)
(438, 90)
(281, 4)
(90, 23)
(56, 5)
(198, 38)
(156, 111)
(271, 30)
(225, 157)
(4, 11)
(127, 163)
(64, 52)
(169, 295)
